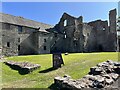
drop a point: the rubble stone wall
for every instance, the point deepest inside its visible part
(9, 39)
(104, 75)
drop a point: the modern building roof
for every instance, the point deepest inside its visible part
(17, 20)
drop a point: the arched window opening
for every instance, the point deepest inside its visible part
(65, 23)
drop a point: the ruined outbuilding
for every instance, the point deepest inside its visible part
(20, 36)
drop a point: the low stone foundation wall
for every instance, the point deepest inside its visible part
(24, 67)
(104, 75)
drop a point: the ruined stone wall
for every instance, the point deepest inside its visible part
(103, 39)
(21, 40)
(112, 20)
(71, 30)
(113, 25)
(98, 38)
(95, 36)
(15, 42)
(9, 39)
(66, 20)
(103, 76)
(56, 43)
(78, 38)
(69, 40)
(88, 43)
(0, 39)
(44, 44)
(28, 41)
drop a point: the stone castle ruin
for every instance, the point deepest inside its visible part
(77, 36)
(21, 36)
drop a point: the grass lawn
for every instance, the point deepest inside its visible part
(76, 65)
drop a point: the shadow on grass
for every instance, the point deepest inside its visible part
(48, 70)
(20, 71)
(53, 87)
(118, 56)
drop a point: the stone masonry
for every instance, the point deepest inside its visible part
(95, 36)
(22, 67)
(20, 36)
(105, 75)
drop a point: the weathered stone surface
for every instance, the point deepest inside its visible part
(57, 60)
(25, 67)
(114, 76)
(67, 76)
(85, 37)
(96, 70)
(99, 77)
(109, 81)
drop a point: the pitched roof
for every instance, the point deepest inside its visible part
(17, 20)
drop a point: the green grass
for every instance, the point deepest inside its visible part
(76, 65)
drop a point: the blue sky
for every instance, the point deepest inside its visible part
(50, 13)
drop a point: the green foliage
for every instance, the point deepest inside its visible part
(76, 65)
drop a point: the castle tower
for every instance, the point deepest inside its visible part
(112, 20)
(113, 27)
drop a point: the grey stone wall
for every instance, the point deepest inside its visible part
(44, 42)
(70, 38)
(95, 36)
(0, 39)
(99, 37)
(112, 20)
(113, 25)
(56, 43)
(21, 36)
(28, 41)
(20, 43)
(9, 39)
(88, 43)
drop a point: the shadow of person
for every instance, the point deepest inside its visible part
(48, 70)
